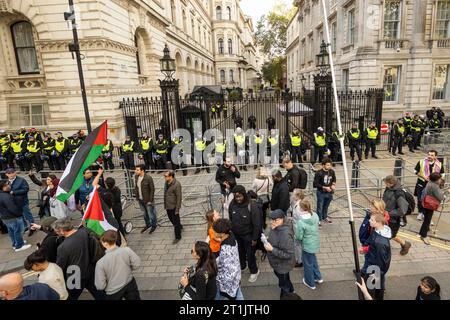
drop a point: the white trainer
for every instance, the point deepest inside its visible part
(23, 248)
(420, 216)
(304, 282)
(318, 281)
(253, 277)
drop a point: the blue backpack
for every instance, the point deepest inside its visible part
(364, 230)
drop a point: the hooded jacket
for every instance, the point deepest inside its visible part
(245, 222)
(307, 232)
(280, 196)
(296, 178)
(395, 200)
(379, 251)
(282, 258)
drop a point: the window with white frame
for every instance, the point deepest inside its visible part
(392, 18)
(184, 21)
(27, 115)
(231, 76)
(192, 28)
(333, 36)
(311, 48)
(230, 46)
(222, 76)
(229, 13)
(220, 46)
(24, 47)
(303, 59)
(199, 33)
(442, 29)
(391, 83)
(173, 11)
(351, 27)
(218, 13)
(441, 87)
(345, 79)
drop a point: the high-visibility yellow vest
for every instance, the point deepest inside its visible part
(401, 129)
(273, 141)
(47, 145)
(221, 147)
(107, 146)
(320, 140)
(200, 145)
(5, 148)
(356, 134)
(4, 140)
(258, 140)
(239, 139)
(415, 126)
(425, 167)
(59, 145)
(176, 141)
(296, 141)
(213, 109)
(33, 148)
(407, 121)
(145, 144)
(161, 147)
(23, 135)
(129, 147)
(17, 146)
(372, 133)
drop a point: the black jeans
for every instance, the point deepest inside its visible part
(355, 147)
(318, 154)
(427, 215)
(247, 252)
(148, 160)
(418, 192)
(129, 292)
(371, 144)
(397, 144)
(284, 282)
(74, 294)
(296, 155)
(128, 160)
(108, 163)
(60, 163)
(175, 220)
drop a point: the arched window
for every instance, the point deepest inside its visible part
(136, 44)
(220, 46)
(231, 76)
(230, 46)
(24, 47)
(222, 76)
(219, 13)
(229, 13)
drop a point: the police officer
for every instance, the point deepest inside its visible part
(274, 147)
(240, 147)
(75, 143)
(258, 152)
(18, 149)
(214, 110)
(434, 123)
(320, 145)
(270, 123)
(107, 155)
(371, 135)
(49, 151)
(6, 159)
(251, 122)
(398, 137)
(407, 122)
(161, 151)
(178, 140)
(354, 138)
(146, 146)
(200, 146)
(128, 150)
(23, 134)
(220, 150)
(423, 126)
(35, 134)
(34, 149)
(416, 128)
(225, 110)
(440, 115)
(239, 121)
(62, 147)
(295, 143)
(334, 147)
(81, 135)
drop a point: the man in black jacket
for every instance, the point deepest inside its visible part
(354, 138)
(246, 226)
(325, 182)
(280, 192)
(296, 177)
(227, 172)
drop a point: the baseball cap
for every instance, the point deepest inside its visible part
(276, 214)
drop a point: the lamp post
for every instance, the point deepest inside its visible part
(323, 88)
(303, 80)
(323, 60)
(75, 47)
(169, 90)
(291, 83)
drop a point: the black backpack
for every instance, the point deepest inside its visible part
(411, 201)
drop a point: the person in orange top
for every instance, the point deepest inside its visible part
(212, 216)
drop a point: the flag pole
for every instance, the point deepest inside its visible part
(344, 158)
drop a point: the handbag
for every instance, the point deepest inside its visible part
(182, 290)
(265, 198)
(431, 203)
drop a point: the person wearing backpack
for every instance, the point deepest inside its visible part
(246, 226)
(397, 206)
(261, 185)
(296, 177)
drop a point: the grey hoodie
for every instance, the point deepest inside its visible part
(282, 258)
(396, 203)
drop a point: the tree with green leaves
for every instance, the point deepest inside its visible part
(273, 70)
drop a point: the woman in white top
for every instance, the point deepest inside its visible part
(48, 272)
(297, 198)
(261, 185)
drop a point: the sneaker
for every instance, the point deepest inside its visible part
(320, 223)
(420, 216)
(23, 248)
(327, 220)
(405, 248)
(431, 223)
(144, 229)
(176, 241)
(304, 282)
(425, 240)
(318, 281)
(253, 277)
(401, 153)
(152, 230)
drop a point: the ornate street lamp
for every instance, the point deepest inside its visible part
(167, 64)
(323, 59)
(303, 80)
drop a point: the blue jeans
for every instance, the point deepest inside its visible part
(284, 282)
(149, 214)
(239, 294)
(323, 202)
(27, 215)
(15, 231)
(311, 268)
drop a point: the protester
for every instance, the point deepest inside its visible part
(211, 216)
(261, 185)
(44, 201)
(202, 284)
(297, 213)
(246, 226)
(295, 177)
(12, 288)
(432, 190)
(325, 182)
(377, 206)
(227, 172)
(397, 206)
(280, 250)
(307, 232)
(172, 202)
(116, 196)
(280, 192)
(113, 272)
(82, 194)
(52, 240)
(11, 216)
(47, 272)
(228, 265)
(378, 255)
(145, 194)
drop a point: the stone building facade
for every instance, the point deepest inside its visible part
(401, 45)
(121, 42)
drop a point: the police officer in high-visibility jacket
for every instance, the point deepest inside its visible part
(200, 146)
(274, 146)
(251, 122)
(23, 134)
(48, 150)
(354, 138)
(416, 127)
(146, 148)
(320, 145)
(128, 149)
(107, 155)
(32, 132)
(240, 142)
(181, 157)
(75, 143)
(423, 126)
(161, 152)
(6, 159)
(257, 150)
(220, 150)
(34, 150)
(62, 146)
(407, 122)
(18, 149)
(398, 137)
(371, 135)
(295, 143)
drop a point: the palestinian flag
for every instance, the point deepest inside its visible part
(98, 217)
(87, 154)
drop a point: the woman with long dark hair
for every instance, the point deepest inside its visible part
(200, 283)
(428, 289)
